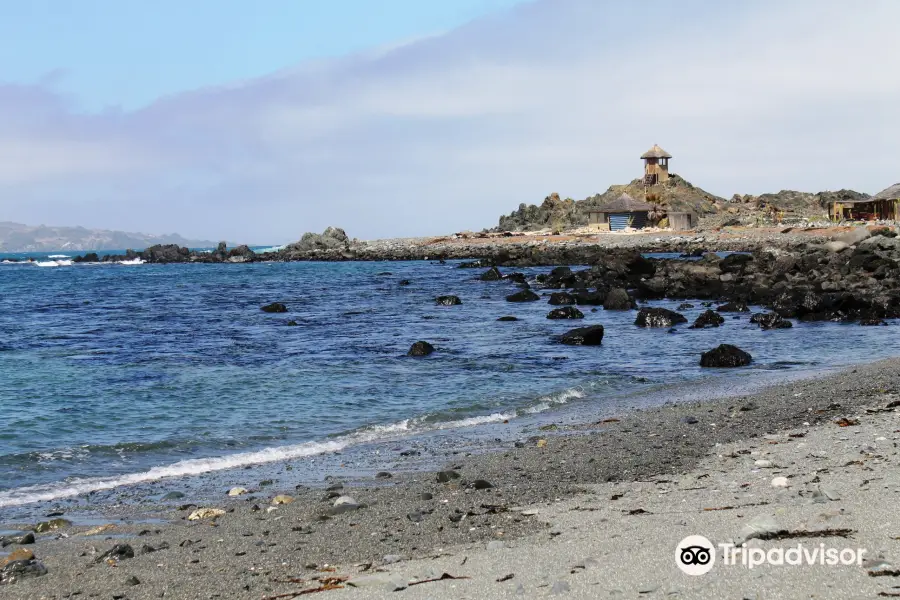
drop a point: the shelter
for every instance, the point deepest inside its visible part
(620, 213)
(883, 206)
(656, 165)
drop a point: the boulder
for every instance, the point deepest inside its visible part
(587, 298)
(583, 336)
(523, 296)
(205, 513)
(725, 356)
(492, 274)
(561, 299)
(658, 317)
(275, 307)
(734, 307)
(508, 318)
(710, 318)
(734, 262)
(420, 348)
(448, 300)
(18, 570)
(52, 525)
(770, 321)
(618, 299)
(566, 312)
(25, 538)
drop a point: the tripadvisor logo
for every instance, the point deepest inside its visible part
(696, 555)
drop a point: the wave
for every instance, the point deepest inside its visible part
(269, 249)
(133, 261)
(53, 263)
(197, 466)
(58, 256)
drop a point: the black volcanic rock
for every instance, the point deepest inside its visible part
(275, 307)
(710, 318)
(523, 296)
(566, 312)
(725, 356)
(420, 348)
(618, 299)
(561, 299)
(583, 336)
(508, 318)
(492, 274)
(770, 321)
(658, 317)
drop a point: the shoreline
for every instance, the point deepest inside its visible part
(399, 522)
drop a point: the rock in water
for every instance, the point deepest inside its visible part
(618, 299)
(770, 321)
(508, 318)
(275, 307)
(710, 318)
(492, 274)
(448, 300)
(18, 570)
(523, 296)
(583, 336)
(734, 307)
(27, 538)
(420, 348)
(561, 298)
(658, 317)
(566, 312)
(725, 356)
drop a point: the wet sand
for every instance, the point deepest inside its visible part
(619, 492)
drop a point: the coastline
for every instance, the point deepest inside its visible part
(397, 523)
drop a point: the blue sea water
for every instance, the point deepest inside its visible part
(112, 375)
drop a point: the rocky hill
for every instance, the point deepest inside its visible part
(676, 194)
(16, 237)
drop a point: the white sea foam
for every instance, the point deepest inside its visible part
(57, 256)
(270, 249)
(133, 261)
(53, 263)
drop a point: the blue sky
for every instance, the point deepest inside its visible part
(126, 54)
(219, 122)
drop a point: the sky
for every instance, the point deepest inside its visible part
(219, 119)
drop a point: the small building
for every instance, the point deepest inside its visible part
(656, 165)
(682, 221)
(622, 212)
(883, 206)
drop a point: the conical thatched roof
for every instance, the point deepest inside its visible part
(656, 152)
(623, 204)
(891, 193)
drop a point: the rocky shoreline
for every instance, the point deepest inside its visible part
(263, 541)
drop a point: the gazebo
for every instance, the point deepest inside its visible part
(656, 165)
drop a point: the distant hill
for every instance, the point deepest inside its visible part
(16, 237)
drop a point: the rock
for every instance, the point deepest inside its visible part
(132, 581)
(763, 464)
(173, 496)
(725, 356)
(344, 504)
(561, 299)
(448, 300)
(770, 321)
(780, 482)
(583, 336)
(508, 318)
(52, 525)
(447, 476)
(275, 307)
(383, 475)
(420, 348)
(492, 274)
(618, 299)
(566, 312)
(282, 499)
(523, 296)
(17, 554)
(116, 553)
(710, 318)
(689, 420)
(237, 491)
(836, 246)
(205, 513)
(19, 570)
(292, 323)
(390, 559)
(685, 306)
(658, 317)
(733, 307)
(25, 538)
(734, 262)
(854, 236)
(426, 496)
(481, 484)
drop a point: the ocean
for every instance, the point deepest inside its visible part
(113, 375)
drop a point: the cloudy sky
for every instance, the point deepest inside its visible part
(403, 117)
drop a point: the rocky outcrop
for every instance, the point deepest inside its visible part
(725, 356)
(275, 307)
(561, 299)
(420, 348)
(770, 321)
(583, 336)
(658, 317)
(710, 318)
(523, 296)
(618, 299)
(448, 300)
(566, 312)
(492, 274)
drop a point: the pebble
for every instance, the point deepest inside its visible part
(205, 513)
(116, 553)
(481, 484)
(132, 581)
(282, 499)
(344, 504)
(780, 482)
(447, 476)
(763, 464)
(426, 496)
(383, 475)
(237, 491)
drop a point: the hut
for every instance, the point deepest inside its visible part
(620, 213)
(656, 165)
(883, 206)
(682, 221)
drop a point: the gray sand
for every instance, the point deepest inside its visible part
(672, 462)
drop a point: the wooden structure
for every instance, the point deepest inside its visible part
(883, 206)
(656, 165)
(682, 221)
(622, 212)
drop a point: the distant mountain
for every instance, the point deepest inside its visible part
(15, 237)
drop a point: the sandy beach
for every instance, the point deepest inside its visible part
(583, 510)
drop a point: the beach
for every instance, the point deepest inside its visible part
(585, 510)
